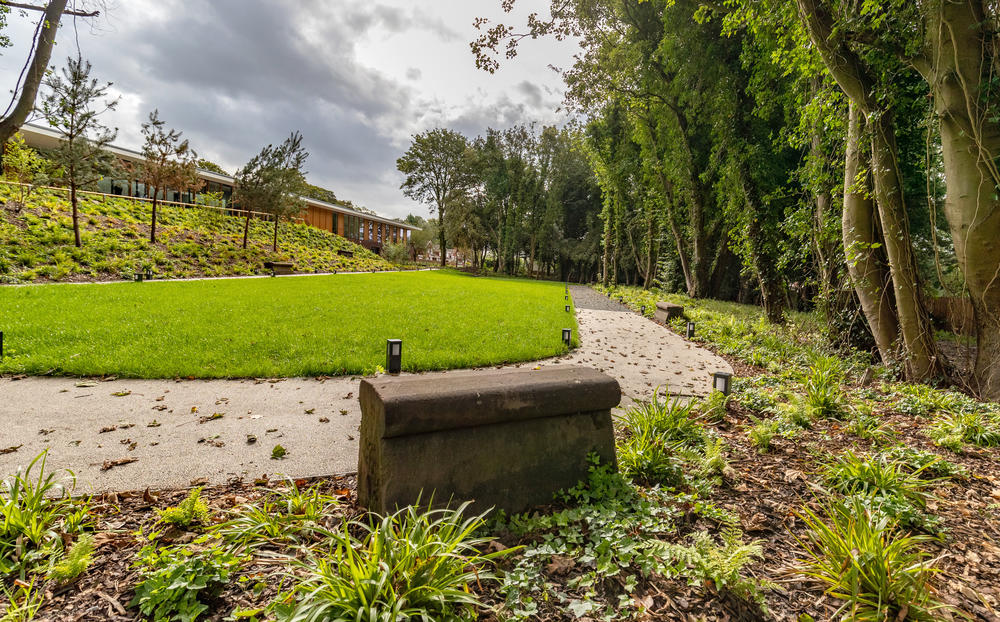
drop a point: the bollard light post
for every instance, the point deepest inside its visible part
(394, 356)
(690, 330)
(149, 274)
(567, 308)
(722, 382)
(567, 336)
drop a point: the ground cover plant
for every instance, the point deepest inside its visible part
(36, 242)
(301, 326)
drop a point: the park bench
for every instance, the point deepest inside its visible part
(278, 267)
(507, 439)
(345, 253)
(666, 311)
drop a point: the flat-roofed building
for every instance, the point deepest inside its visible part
(369, 230)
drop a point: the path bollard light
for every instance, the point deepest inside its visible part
(138, 277)
(567, 334)
(394, 355)
(566, 297)
(722, 382)
(642, 309)
(149, 274)
(690, 332)
(567, 308)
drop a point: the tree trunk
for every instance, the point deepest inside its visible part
(274, 241)
(246, 229)
(441, 240)
(76, 219)
(152, 223)
(970, 144)
(771, 295)
(863, 244)
(922, 362)
(36, 71)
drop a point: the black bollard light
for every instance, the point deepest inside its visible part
(642, 309)
(149, 274)
(690, 331)
(567, 334)
(722, 382)
(138, 277)
(566, 297)
(567, 308)
(394, 355)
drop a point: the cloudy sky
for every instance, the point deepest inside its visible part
(356, 77)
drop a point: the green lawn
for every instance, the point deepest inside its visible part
(301, 326)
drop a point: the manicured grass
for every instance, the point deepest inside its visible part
(298, 326)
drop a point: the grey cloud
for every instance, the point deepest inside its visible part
(532, 92)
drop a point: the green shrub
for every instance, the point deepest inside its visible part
(925, 464)
(880, 572)
(191, 511)
(282, 517)
(867, 426)
(173, 581)
(714, 407)
(411, 565)
(673, 421)
(23, 601)
(648, 459)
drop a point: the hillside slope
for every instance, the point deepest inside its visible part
(36, 245)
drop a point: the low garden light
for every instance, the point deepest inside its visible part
(722, 382)
(642, 309)
(690, 330)
(566, 297)
(567, 334)
(567, 308)
(394, 355)
(149, 274)
(138, 277)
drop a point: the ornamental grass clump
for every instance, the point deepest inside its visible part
(954, 430)
(412, 565)
(880, 572)
(37, 516)
(822, 383)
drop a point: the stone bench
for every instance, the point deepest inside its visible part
(345, 253)
(279, 267)
(666, 311)
(506, 439)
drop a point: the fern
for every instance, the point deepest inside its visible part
(723, 564)
(188, 512)
(75, 562)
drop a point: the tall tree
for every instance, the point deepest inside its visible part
(437, 170)
(168, 162)
(23, 101)
(72, 107)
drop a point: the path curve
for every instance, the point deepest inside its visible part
(169, 428)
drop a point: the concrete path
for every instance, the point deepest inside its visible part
(174, 433)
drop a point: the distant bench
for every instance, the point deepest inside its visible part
(666, 311)
(278, 267)
(345, 253)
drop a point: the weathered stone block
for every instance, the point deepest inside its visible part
(665, 311)
(506, 439)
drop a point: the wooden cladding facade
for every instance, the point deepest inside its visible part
(371, 233)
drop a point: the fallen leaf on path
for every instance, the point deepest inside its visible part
(324, 420)
(110, 464)
(201, 481)
(110, 428)
(310, 411)
(211, 417)
(84, 384)
(121, 393)
(10, 450)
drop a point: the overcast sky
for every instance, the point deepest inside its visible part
(357, 78)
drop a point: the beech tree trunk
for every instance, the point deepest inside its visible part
(863, 246)
(36, 71)
(914, 322)
(959, 64)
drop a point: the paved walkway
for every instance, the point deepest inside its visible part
(178, 432)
